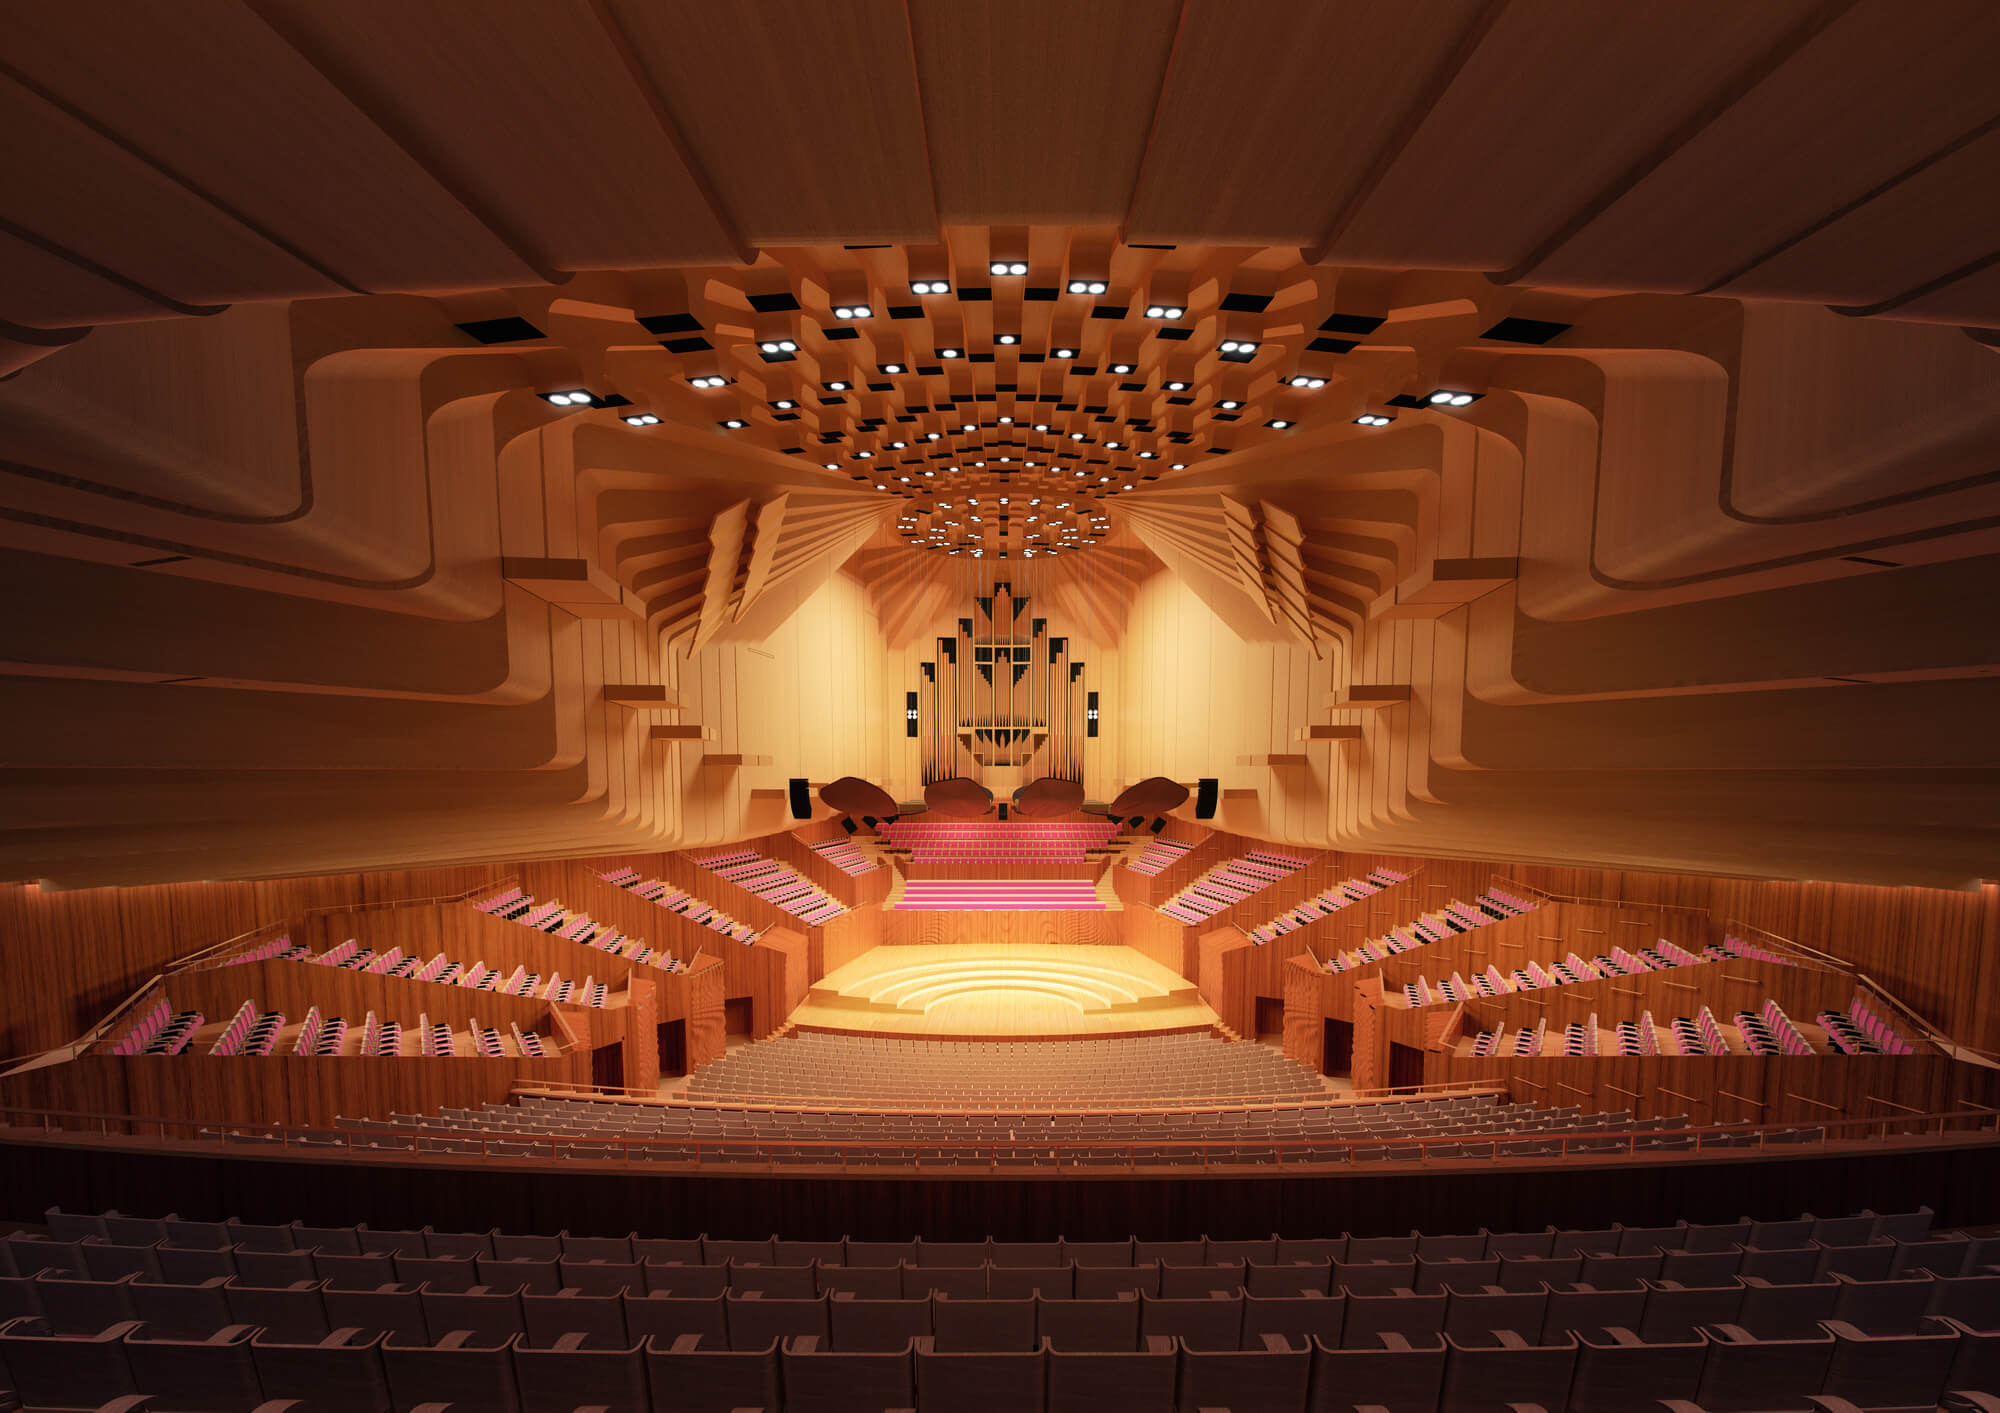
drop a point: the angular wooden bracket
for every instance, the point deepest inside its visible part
(1280, 760)
(574, 585)
(1326, 732)
(720, 761)
(681, 731)
(641, 696)
(1446, 585)
(1372, 696)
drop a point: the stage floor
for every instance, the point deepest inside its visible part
(1005, 991)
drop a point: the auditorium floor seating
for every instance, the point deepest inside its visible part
(1863, 1312)
(1050, 1136)
(895, 1073)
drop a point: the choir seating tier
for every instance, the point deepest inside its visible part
(1017, 991)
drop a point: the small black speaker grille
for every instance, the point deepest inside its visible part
(1207, 794)
(802, 798)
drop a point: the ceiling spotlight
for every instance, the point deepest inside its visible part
(1302, 381)
(947, 353)
(930, 287)
(784, 403)
(1006, 419)
(1145, 456)
(1178, 466)
(572, 398)
(1008, 338)
(734, 422)
(1076, 436)
(1111, 446)
(1372, 419)
(892, 367)
(1176, 387)
(1065, 353)
(863, 455)
(1280, 423)
(898, 445)
(1121, 367)
(1238, 350)
(968, 427)
(710, 380)
(1009, 267)
(1229, 404)
(836, 387)
(1041, 426)
(641, 419)
(852, 311)
(1164, 311)
(932, 436)
(831, 465)
(1449, 397)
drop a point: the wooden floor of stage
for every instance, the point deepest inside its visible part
(1003, 991)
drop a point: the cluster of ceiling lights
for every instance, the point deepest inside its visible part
(574, 397)
(1372, 419)
(1008, 267)
(852, 311)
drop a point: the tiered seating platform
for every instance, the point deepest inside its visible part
(1002, 990)
(1021, 841)
(998, 895)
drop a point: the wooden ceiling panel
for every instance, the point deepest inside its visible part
(1789, 154)
(42, 290)
(1471, 193)
(1038, 106)
(76, 191)
(287, 150)
(1866, 256)
(1973, 298)
(530, 109)
(1265, 129)
(807, 119)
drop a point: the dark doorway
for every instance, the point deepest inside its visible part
(673, 1036)
(1270, 1016)
(738, 1016)
(1337, 1049)
(607, 1065)
(1406, 1066)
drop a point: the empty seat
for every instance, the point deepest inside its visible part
(1393, 1373)
(1614, 1365)
(460, 1368)
(66, 1370)
(343, 1370)
(1208, 1324)
(820, 1380)
(1092, 1381)
(573, 1374)
(1743, 1372)
(1493, 1373)
(1089, 1325)
(215, 1374)
(1268, 1377)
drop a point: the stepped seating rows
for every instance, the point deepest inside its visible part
(254, 1032)
(1327, 902)
(1861, 1032)
(1000, 895)
(557, 921)
(1158, 856)
(1766, 1031)
(261, 952)
(1876, 1310)
(1168, 1069)
(159, 1030)
(1023, 841)
(443, 971)
(1492, 906)
(845, 855)
(1229, 883)
(1572, 970)
(676, 900)
(778, 884)
(538, 1126)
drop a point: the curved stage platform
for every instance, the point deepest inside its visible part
(1003, 991)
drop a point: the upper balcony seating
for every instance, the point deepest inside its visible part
(778, 884)
(1158, 856)
(1000, 895)
(1454, 918)
(1327, 902)
(676, 900)
(845, 855)
(1229, 883)
(1843, 1314)
(1018, 841)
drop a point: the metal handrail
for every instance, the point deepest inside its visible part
(650, 1098)
(387, 904)
(1316, 1151)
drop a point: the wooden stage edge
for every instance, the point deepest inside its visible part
(1003, 991)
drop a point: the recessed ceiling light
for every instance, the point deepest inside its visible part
(573, 398)
(734, 422)
(1450, 397)
(1176, 387)
(641, 419)
(1372, 419)
(898, 445)
(783, 403)
(1146, 456)
(1178, 466)
(1065, 353)
(853, 311)
(1009, 267)
(1164, 311)
(1280, 423)
(1006, 419)
(1008, 338)
(930, 287)
(933, 436)
(1303, 381)
(892, 367)
(831, 465)
(1229, 404)
(1041, 426)
(863, 455)
(1111, 446)
(968, 427)
(1121, 367)
(947, 353)
(1076, 436)
(836, 387)
(709, 380)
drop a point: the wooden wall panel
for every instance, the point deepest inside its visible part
(836, 943)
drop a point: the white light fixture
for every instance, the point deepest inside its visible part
(1005, 420)
(892, 367)
(1372, 419)
(836, 387)
(1280, 423)
(1146, 456)
(1008, 338)
(575, 397)
(863, 455)
(930, 287)
(641, 419)
(947, 353)
(1041, 426)
(1121, 367)
(1111, 446)
(784, 403)
(831, 465)
(1178, 466)
(1076, 436)
(1164, 311)
(898, 445)
(968, 427)
(1009, 267)
(734, 422)
(1176, 387)
(933, 436)
(710, 380)
(853, 311)
(1229, 404)
(1065, 353)
(1302, 381)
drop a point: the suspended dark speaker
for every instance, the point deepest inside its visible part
(1159, 825)
(1003, 812)
(849, 825)
(1207, 792)
(802, 798)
